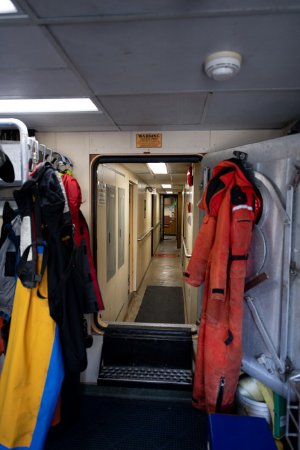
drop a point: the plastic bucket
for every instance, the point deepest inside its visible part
(249, 407)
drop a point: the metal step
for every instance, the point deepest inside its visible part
(146, 356)
(147, 375)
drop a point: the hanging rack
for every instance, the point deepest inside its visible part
(30, 154)
(33, 153)
(15, 123)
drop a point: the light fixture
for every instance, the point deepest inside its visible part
(7, 7)
(169, 192)
(223, 65)
(41, 105)
(158, 168)
(166, 186)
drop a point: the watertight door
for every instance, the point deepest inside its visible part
(271, 331)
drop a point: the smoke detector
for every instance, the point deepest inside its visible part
(222, 66)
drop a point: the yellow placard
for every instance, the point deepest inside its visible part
(148, 140)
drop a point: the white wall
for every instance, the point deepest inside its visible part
(115, 290)
(191, 226)
(144, 225)
(78, 146)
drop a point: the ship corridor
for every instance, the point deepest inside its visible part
(143, 234)
(165, 271)
(143, 396)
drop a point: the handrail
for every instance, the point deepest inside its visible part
(186, 254)
(155, 226)
(145, 234)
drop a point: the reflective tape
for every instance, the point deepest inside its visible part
(249, 208)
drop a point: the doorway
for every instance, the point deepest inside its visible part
(152, 256)
(170, 216)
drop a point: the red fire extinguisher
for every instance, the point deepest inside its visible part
(189, 176)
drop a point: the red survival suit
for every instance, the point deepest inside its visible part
(232, 205)
(81, 231)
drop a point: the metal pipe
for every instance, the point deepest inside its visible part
(286, 264)
(292, 411)
(286, 215)
(260, 326)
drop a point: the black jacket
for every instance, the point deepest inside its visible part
(42, 200)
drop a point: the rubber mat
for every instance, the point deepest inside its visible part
(162, 304)
(133, 424)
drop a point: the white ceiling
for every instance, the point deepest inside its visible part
(142, 62)
(176, 176)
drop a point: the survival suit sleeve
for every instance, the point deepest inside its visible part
(195, 271)
(220, 252)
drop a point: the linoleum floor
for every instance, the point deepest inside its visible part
(164, 270)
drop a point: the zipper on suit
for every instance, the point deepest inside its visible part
(220, 394)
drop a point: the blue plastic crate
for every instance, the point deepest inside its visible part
(229, 432)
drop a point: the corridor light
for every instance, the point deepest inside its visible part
(41, 105)
(158, 168)
(166, 186)
(169, 192)
(7, 7)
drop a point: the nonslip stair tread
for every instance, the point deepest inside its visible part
(149, 374)
(146, 355)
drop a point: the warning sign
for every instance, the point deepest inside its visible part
(148, 140)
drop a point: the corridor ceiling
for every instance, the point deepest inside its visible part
(176, 176)
(141, 62)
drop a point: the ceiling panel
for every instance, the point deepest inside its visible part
(27, 83)
(66, 122)
(26, 47)
(68, 8)
(137, 168)
(174, 127)
(177, 168)
(155, 110)
(253, 109)
(176, 175)
(168, 56)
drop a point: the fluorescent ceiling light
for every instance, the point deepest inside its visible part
(40, 105)
(166, 186)
(7, 7)
(169, 192)
(158, 168)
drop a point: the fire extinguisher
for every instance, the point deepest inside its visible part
(189, 176)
